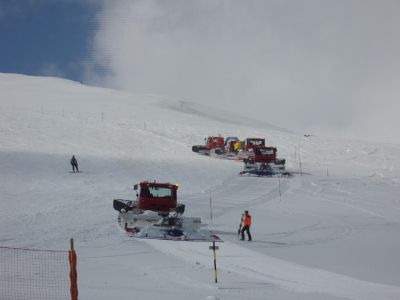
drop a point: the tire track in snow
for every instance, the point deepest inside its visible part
(245, 192)
(286, 275)
(367, 207)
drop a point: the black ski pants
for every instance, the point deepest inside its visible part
(247, 229)
(75, 166)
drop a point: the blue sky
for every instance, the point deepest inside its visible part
(45, 37)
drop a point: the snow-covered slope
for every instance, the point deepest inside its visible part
(330, 233)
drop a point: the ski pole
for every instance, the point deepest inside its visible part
(240, 227)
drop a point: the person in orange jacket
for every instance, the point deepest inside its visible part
(246, 221)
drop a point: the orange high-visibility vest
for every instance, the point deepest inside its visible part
(247, 220)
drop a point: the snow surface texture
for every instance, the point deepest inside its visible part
(332, 233)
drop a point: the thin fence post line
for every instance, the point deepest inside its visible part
(279, 183)
(215, 263)
(301, 172)
(211, 216)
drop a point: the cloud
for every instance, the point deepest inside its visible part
(52, 70)
(307, 65)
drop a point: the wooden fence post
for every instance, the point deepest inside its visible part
(73, 274)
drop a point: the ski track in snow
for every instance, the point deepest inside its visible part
(281, 273)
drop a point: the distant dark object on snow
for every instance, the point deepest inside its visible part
(74, 164)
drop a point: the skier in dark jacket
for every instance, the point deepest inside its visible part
(74, 164)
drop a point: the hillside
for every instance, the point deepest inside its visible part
(330, 233)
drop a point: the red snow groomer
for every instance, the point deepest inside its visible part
(218, 146)
(156, 214)
(265, 155)
(157, 197)
(249, 146)
(213, 145)
(262, 161)
(254, 143)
